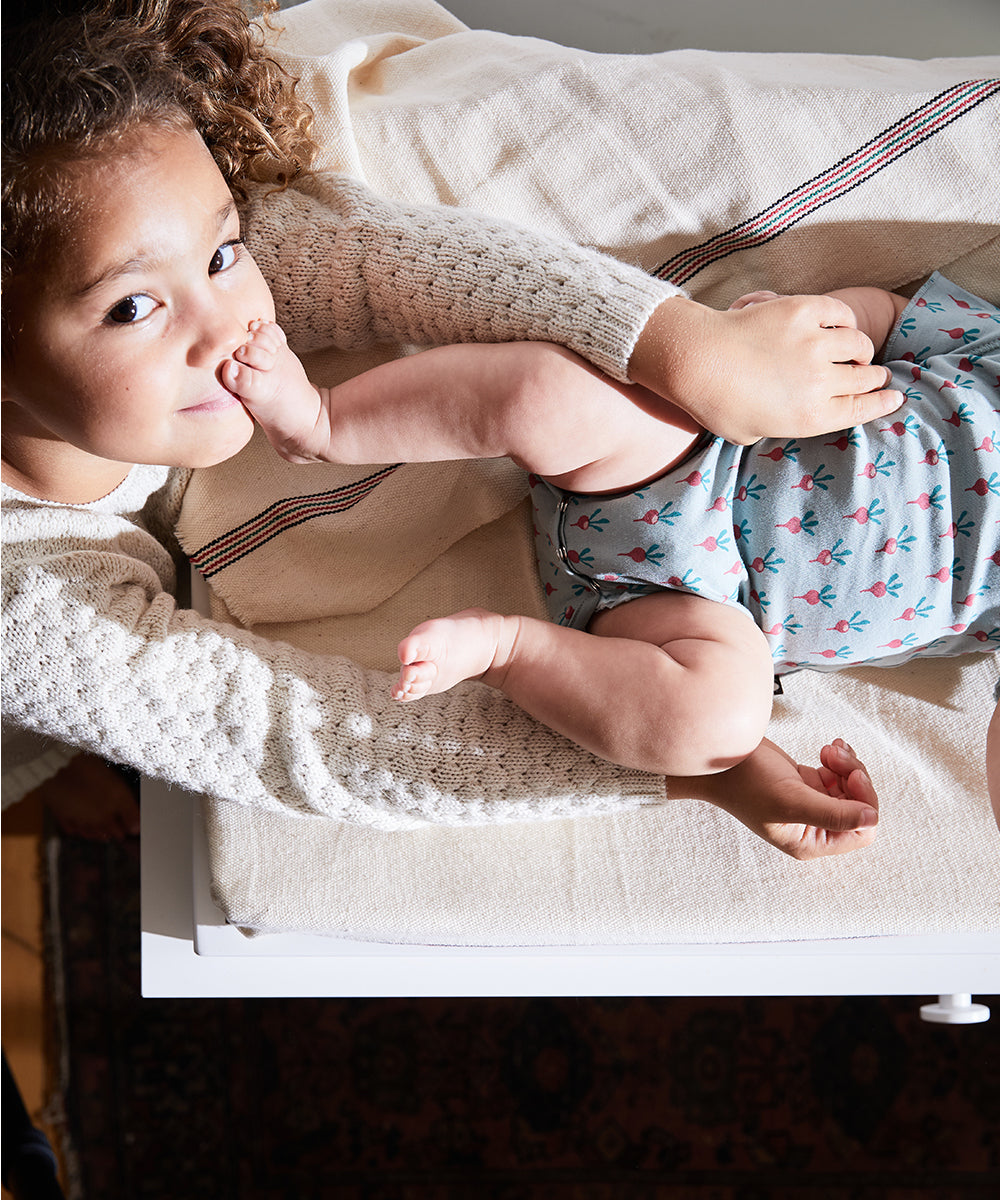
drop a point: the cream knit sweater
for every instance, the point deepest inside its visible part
(97, 655)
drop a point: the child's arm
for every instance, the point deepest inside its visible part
(351, 268)
(806, 812)
(804, 352)
(98, 656)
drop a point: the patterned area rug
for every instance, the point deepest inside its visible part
(507, 1099)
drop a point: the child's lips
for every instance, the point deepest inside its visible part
(219, 401)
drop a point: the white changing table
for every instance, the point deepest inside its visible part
(188, 950)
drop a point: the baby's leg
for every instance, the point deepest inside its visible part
(670, 683)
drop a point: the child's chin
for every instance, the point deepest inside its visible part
(219, 449)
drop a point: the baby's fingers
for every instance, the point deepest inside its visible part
(839, 814)
(843, 769)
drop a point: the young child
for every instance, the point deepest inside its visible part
(128, 284)
(684, 572)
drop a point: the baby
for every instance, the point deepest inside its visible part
(684, 572)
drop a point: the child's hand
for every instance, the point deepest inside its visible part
(271, 382)
(807, 812)
(796, 366)
(753, 298)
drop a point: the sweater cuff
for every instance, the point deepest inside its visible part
(610, 342)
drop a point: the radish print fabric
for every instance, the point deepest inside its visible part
(873, 545)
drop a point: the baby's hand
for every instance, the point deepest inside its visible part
(272, 383)
(807, 812)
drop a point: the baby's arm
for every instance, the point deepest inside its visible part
(806, 812)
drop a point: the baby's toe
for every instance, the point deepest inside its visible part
(415, 680)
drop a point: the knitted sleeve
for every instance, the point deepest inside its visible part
(97, 655)
(348, 269)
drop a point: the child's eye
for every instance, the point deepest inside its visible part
(131, 309)
(224, 257)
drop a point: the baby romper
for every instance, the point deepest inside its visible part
(872, 545)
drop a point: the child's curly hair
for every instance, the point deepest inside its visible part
(81, 74)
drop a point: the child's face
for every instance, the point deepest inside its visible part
(120, 341)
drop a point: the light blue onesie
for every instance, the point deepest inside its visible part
(873, 545)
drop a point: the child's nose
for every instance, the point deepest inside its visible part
(216, 336)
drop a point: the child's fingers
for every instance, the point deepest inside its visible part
(862, 386)
(852, 347)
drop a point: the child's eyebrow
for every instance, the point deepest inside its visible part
(141, 262)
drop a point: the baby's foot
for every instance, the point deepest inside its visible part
(444, 651)
(272, 383)
(263, 366)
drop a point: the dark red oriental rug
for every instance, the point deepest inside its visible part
(507, 1099)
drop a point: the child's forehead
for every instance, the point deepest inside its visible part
(166, 156)
(161, 186)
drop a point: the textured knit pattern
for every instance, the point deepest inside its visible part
(98, 656)
(347, 268)
(871, 546)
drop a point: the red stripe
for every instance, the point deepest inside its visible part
(279, 517)
(848, 173)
